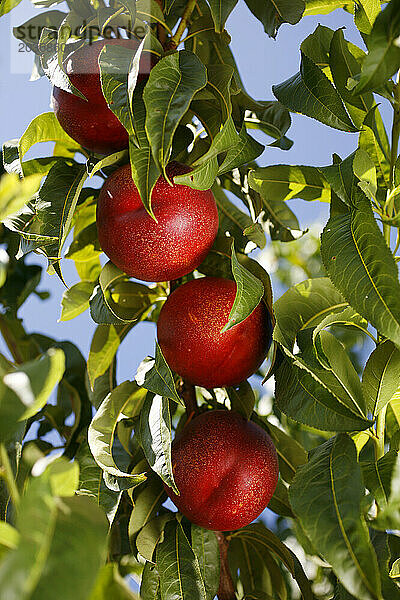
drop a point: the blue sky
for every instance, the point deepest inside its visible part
(262, 63)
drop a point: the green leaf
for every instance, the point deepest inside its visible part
(9, 536)
(290, 452)
(307, 398)
(43, 128)
(124, 402)
(326, 496)
(145, 171)
(178, 567)
(383, 58)
(258, 534)
(377, 476)
(75, 300)
(173, 82)
(389, 517)
(34, 381)
(242, 398)
(272, 13)
(156, 437)
(395, 570)
(323, 397)
(150, 586)
(50, 558)
(206, 168)
(238, 223)
(220, 10)
(151, 534)
(362, 267)
(344, 62)
(283, 182)
(157, 377)
(148, 499)
(323, 7)
(110, 584)
(365, 13)
(91, 483)
(249, 293)
(381, 377)
(373, 139)
(246, 150)
(118, 300)
(279, 502)
(105, 343)
(7, 6)
(310, 93)
(205, 547)
(15, 192)
(273, 119)
(117, 64)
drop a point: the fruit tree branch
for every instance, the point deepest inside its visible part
(226, 590)
(175, 40)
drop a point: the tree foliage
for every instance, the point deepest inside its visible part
(75, 524)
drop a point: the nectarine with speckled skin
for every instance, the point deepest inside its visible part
(189, 334)
(90, 122)
(226, 470)
(149, 250)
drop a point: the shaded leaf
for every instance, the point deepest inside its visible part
(173, 82)
(105, 343)
(362, 267)
(220, 10)
(273, 13)
(123, 402)
(178, 566)
(249, 292)
(205, 547)
(310, 93)
(326, 496)
(283, 182)
(75, 300)
(157, 377)
(242, 398)
(156, 437)
(383, 58)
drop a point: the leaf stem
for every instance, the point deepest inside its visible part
(176, 38)
(188, 394)
(395, 130)
(226, 590)
(380, 434)
(7, 474)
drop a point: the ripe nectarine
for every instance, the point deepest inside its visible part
(149, 250)
(189, 334)
(225, 468)
(90, 122)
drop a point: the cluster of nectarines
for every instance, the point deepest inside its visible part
(225, 467)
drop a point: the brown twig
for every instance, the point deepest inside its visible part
(161, 33)
(188, 393)
(226, 590)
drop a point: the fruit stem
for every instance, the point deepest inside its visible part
(189, 398)
(226, 590)
(175, 40)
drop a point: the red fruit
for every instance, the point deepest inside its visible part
(91, 123)
(189, 334)
(177, 244)
(226, 470)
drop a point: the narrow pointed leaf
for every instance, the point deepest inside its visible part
(173, 82)
(283, 182)
(311, 93)
(178, 567)
(381, 377)
(220, 10)
(249, 292)
(205, 547)
(362, 267)
(383, 58)
(272, 13)
(326, 496)
(159, 379)
(124, 401)
(156, 437)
